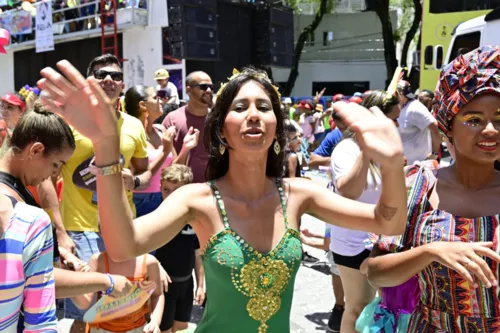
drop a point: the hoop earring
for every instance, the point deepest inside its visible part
(277, 147)
(222, 149)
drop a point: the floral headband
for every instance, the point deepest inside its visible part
(258, 75)
(469, 75)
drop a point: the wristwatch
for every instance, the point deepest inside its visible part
(107, 170)
(137, 182)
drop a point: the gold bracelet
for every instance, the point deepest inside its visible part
(108, 170)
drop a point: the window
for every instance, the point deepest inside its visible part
(439, 57)
(429, 55)
(450, 6)
(327, 37)
(464, 43)
(310, 39)
(346, 88)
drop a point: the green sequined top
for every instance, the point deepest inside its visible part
(248, 291)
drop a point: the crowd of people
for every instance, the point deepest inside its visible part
(120, 189)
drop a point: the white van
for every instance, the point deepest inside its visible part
(469, 35)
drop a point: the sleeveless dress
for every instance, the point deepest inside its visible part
(133, 322)
(448, 303)
(248, 291)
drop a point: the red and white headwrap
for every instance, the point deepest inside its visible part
(14, 100)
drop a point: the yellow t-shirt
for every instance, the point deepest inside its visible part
(77, 210)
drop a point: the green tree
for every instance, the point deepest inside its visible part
(409, 24)
(381, 7)
(325, 6)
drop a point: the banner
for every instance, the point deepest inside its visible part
(44, 35)
(16, 22)
(109, 308)
(158, 13)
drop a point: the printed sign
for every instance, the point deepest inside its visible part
(109, 308)
(16, 22)
(83, 178)
(44, 33)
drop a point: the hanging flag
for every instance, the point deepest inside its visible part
(44, 36)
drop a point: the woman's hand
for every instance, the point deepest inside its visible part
(167, 138)
(81, 102)
(465, 258)
(376, 134)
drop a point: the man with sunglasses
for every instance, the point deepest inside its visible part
(191, 119)
(79, 203)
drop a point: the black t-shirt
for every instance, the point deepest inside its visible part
(177, 256)
(497, 165)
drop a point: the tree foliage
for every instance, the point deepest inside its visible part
(324, 6)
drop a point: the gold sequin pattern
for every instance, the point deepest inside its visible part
(264, 277)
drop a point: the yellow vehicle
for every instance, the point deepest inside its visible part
(439, 21)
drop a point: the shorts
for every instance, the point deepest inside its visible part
(178, 304)
(87, 244)
(145, 203)
(351, 262)
(333, 266)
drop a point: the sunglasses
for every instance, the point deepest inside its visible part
(203, 86)
(102, 74)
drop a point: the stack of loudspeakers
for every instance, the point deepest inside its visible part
(193, 29)
(194, 34)
(274, 42)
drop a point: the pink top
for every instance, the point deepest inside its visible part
(154, 185)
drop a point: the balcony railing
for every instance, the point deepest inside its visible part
(83, 19)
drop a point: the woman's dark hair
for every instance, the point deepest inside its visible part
(42, 126)
(133, 96)
(219, 164)
(290, 127)
(381, 100)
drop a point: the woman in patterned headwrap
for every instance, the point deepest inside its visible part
(453, 213)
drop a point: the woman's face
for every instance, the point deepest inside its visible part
(11, 113)
(153, 105)
(250, 124)
(294, 141)
(41, 167)
(475, 129)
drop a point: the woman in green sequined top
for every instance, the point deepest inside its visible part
(246, 218)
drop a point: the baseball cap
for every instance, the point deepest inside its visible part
(306, 103)
(355, 99)
(338, 97)
(287, 100)
(161, 74)
(404, 89)
(358, 94)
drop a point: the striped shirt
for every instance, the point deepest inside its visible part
(27, 272)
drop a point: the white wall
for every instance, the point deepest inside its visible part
(7, 70)
(338, 71)
(142, 47)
